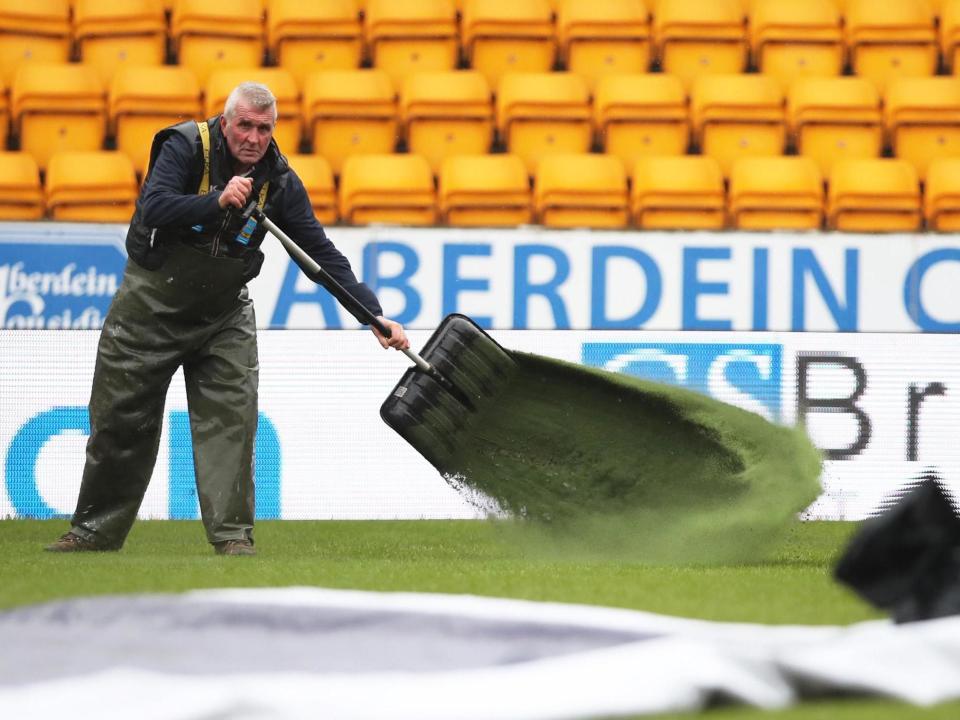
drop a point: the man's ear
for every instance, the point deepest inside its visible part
(223, 123)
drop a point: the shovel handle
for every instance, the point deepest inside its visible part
(318, 274)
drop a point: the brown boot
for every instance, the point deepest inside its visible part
(234, 547)
(70, 542)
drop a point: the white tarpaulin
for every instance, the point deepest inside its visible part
(313, 653)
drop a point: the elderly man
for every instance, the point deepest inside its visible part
(184, 303)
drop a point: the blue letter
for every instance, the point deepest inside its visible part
(912, 300)
(845, 316)
(182, 501)
(453, 284)
(598, 292)
(21, 465)
(760, 295)
(400, 281)
(693, 288)
(289, 295)
(523, 289)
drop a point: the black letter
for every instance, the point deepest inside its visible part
(915, 400)
(843, 404)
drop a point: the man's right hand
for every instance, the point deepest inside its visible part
(236, 192)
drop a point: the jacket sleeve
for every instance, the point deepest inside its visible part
(167, 198)
(297, 220)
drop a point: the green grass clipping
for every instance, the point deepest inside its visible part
(596, 463)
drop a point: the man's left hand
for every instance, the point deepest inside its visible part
(398, 338)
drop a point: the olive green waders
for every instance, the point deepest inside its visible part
(195, 312)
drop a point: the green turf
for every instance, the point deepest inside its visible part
(449, 556)
(459, 557)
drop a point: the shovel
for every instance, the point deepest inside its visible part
(535, 437)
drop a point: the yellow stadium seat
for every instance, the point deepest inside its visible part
(504, 36)
(91, 187)
(677, 193)
(942, 195)
(736, 116)
(894, 38)
(144, 100)
(484, 191)
(950, 35)
(209, 37)
(699, 37)
(775, 193)
(581, 191)
(873, 195)
(793, 38)
(21, 195)
(542, 114)
(604, 38)
(350, 112)
(447, 113)
(637, 115)
(835, 118)
(289, 129)
(922, 118)
(396, 189)
(304, 37)
(35, 31)
(111, 35)
(408, 36)
(317, 177)
(58, 107)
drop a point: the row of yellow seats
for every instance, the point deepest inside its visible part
(342, 113)
(570, 191)
(687, 38)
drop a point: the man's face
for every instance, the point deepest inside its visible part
(248, 133)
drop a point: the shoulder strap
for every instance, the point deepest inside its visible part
(263, 195)
(204, 130)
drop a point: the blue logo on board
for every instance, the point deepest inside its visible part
(746, 375)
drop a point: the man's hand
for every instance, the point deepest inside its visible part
(398, 338)
(236, 192)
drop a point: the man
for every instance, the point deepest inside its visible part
(184, 302)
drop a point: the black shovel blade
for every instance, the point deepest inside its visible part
(428, 415)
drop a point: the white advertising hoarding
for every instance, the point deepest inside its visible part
(883, 408)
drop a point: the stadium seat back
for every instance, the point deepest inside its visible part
(794, 38)
(541, 114)
(775, 193)
(395, 189)
(144, 100)
(641, 115)
(922, 119)
(289, 128)
(699, 37)
(350, 112)
(874, 195)
(58, 107)
(317, 177)
(678, 193)
(35, 31)
(21, 195)
(835, 118)
(508, 36)
(605, 38)
(304, 37)
(484, 191)
(581, 190)
(110, 35)
(735, 116)
(408, 36)
(210, 37)
(91, 187)
(942, 195)
(447, 113)
(891, 39)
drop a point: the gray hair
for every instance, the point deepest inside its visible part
(257, 95)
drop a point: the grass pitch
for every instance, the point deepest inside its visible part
(794, 586)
